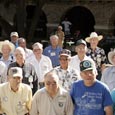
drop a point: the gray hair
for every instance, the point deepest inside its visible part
(52, 73)
(20, 49)
(54, 37)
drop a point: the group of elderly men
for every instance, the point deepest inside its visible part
(50, 82)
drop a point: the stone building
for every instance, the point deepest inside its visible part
(85, 15)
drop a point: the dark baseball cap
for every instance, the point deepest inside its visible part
(81, 41)
(86, 65)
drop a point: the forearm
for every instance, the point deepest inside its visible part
(108, 110)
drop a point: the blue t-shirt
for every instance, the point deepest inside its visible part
(53, 54)
(90, 100)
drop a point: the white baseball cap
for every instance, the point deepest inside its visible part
(14, 34)
(15, 72)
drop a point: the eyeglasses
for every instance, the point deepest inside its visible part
(51, 83)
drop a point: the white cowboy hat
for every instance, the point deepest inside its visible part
(7, 42)
(110, 56)
(93, 35)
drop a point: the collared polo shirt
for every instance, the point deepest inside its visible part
(15, 103)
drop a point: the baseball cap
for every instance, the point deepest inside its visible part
(14, 34)
(15, 72)
(81, 41)
(86, 65)
(65, 52)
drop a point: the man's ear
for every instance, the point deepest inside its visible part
(81, 74)
(8, 78)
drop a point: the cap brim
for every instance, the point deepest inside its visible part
(87, 69)
(17, 75)
(77, 44)
(64, 55)
(88, 38)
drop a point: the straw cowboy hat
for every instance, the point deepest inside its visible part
(7, 42)
(93, 35)
(110, 56)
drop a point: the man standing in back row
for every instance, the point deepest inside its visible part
(53, 50)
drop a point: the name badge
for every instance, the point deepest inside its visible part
(53, 54)
(30, 79)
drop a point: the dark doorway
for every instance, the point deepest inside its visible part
(41, 29)
(82, 21)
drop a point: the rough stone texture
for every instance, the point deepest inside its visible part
(104, 13)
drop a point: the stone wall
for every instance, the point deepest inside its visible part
(102, 11)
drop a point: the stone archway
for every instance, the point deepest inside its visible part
(82, 20)
(111, 24)
(41, 29)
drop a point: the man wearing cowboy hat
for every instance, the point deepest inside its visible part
(96, 53)
(109, 73)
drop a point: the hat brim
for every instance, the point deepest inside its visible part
(65, 55)
(87, 69)
(110, 56)
(17, 75)
(11, 45)
(77, 44)
(100, 37)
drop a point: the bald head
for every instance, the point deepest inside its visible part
(51, 74)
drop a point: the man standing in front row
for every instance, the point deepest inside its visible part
(52, 99)
(15, 97)
(90, 96)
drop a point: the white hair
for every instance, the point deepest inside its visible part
(20, 49)
(54, 37)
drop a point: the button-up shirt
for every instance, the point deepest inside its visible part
(41, 67)
(15, 103)
(67, 77)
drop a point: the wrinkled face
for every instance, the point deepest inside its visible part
(64, 61)
(54, 41)
(94, 42)
(15, 82)
(37, 52)
(88, 77)
(113, 59)
(22, 43)
(6, 50)
(51, 84)
(20, 57)
(14, 39)
(81, 49)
